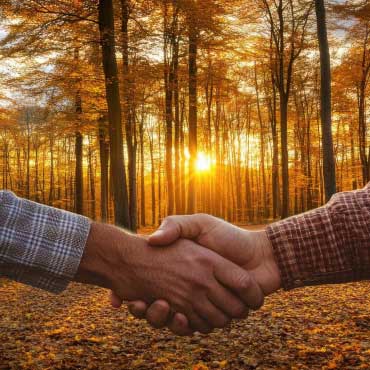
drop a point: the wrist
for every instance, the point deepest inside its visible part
(271, 279)
(99, 259)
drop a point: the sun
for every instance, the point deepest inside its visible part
(203, 162)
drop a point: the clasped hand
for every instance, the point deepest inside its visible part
(197, 274)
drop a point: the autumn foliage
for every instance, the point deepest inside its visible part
(204, 106)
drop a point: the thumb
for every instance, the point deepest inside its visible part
(115, 300)
(175, 227)
(168, 232)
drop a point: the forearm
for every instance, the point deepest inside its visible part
(46, 247)
(40, 245)
(100, 260)
(330, 244)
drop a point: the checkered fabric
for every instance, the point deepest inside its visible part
(39, 245)
(330, 244)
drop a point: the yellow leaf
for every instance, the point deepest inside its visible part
(200, 366)
(95, 340)
(223, 363)
(56, 332)
(276, 314)
(162, 360)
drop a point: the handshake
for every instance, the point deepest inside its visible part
(195, 273)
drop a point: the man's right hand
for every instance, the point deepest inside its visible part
(208, 289)
(249, 249)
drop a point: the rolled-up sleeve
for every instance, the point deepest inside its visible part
(39, 245)
(330, 244)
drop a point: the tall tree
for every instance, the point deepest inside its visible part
(107, 41)
(129, 116)
(79, 194)
(193, 101)
(168, 73)
(288, 24)
(325, 93)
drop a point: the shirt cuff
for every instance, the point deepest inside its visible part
(39, 245)
(327, 245)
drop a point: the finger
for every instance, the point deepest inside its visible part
(138, 309)
(211, 314)
(179, 325)
(228, 302)
(174, 227)
(158, 314)
(167, 233)
(115, 301)
(197, 323)
(240, 282)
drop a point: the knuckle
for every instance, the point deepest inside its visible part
(153, 321)
(136, 311)
(259, 302)
(205, 330)
(244, 282)
(239, 311)
(199, 260)
(203, 285)
(221, 322)
(161, 307)
(168, 220)
(202, 259)
(203, 217)
(182, 304)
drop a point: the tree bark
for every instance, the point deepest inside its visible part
(130, 122)
(106, 27)
(104, 171)
(327, 140)
(79, 173)
(193, 50)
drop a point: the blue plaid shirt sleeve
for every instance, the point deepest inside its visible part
(40, 246)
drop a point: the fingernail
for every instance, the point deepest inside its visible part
(157, 233)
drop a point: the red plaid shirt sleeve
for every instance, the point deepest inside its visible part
(330, 244)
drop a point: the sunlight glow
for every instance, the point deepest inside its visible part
(204, 162)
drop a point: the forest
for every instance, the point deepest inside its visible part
(127, 111)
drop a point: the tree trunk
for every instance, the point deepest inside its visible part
(79, 173)
(51, 189)
(152, 170)
(92, 181)
(178, 179)
(284, 155)
(327, 140)
(362, 126)
(79, 194)
(168, 85)
(128, 115)
(193, 47)
(28, 181)
(142, 174)
(262, 148)
(106, 27)
(37, 195)
(104, 155)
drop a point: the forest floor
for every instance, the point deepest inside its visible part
(324, 327)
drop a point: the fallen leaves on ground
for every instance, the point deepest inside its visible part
(324, 327)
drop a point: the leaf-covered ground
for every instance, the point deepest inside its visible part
(312, 328)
